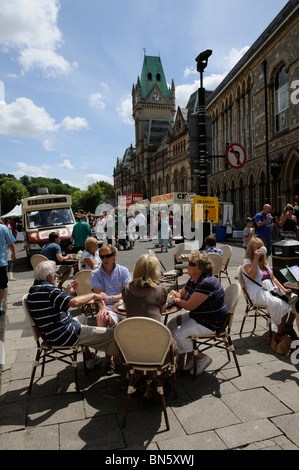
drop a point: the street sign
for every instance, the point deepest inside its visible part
(235, 155)
(205, 209)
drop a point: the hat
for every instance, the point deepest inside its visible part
(288, 206)
(249, 219)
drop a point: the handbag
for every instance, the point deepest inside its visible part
(276, 292)
(281, 344)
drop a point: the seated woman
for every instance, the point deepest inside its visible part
(90, 257)
(203, 296)
(144, 297)
(257, 275)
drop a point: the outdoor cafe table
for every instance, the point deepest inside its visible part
(293, 287)
(169, 310)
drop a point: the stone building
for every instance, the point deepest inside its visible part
(256, 105)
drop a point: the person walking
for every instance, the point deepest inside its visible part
(6, 240)
(264, 222)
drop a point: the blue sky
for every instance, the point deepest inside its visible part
(67, 68)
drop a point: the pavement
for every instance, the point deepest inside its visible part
(218, 411)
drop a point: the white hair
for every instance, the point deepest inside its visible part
(43, 270)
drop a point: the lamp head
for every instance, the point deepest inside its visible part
(202, 59)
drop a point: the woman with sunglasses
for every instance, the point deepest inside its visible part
(203, 297)
(108, 280)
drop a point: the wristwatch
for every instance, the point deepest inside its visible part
(112, 298)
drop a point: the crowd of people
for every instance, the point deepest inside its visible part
(202, 298)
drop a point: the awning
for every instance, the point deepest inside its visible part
(15, 212)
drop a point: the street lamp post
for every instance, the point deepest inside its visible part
(202, 178)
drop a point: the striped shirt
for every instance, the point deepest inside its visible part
(113, 284)
(213, 311)
(48, 307)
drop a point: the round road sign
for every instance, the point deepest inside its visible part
(235, 155)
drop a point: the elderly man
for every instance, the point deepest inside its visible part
(48, 306)
(108, 281)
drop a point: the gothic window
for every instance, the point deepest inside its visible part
(158, 77)
(149, 76)
(281, 99)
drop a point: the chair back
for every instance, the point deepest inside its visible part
(216, 259)
(179, 249)
(36, 259)
(232, 297)
(84, 278)
(34, 329)
(143, 341)
(227, 252)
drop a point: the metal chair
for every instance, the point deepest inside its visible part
(36, 259)
(167, 276)
(84, 287)
(221, 339)
(46, 353)
(146, 346)
(227, 253)
(253, 310)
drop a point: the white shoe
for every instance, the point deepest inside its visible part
(189, 363)
(201, 365)
(93, 361)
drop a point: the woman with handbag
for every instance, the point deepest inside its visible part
(264, 289)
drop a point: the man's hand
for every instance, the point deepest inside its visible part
(72, 286)
(104, 319)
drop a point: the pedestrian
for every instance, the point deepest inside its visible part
(288, 223)
(248, 232)
(141, 224)
(131, 230)
(264, 222)
(6, 240)
(81, 231)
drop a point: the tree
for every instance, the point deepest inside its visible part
(12, 193)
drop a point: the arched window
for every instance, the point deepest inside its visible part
(149, 76)
(281, 99)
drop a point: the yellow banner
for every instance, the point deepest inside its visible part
(205, 209)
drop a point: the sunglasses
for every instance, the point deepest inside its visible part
(192, 264)
(107, 256)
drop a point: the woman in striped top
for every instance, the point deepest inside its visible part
(203, 297)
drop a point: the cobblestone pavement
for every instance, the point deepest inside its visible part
(219, 410)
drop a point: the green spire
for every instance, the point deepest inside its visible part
(153, 74)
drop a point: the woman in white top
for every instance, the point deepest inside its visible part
(131, 230)
(256, 275)
(90, 258)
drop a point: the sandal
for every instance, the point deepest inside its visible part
(109, 368)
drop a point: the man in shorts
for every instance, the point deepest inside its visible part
(6, 239)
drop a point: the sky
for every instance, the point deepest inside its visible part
(67, 68)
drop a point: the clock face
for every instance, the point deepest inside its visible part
(156, 97)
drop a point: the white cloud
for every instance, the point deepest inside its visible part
(67, 165)
(94, 177)
(74, 124)
(96, 101)
(31, 170)
(24, 119)
(125, 111)
(48, 145)
(234, 56)
(31, 28)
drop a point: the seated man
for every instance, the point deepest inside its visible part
(48, 306)
(52, 251)
(108, 281)
(210, 245)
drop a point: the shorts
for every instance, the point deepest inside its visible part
(3, 277)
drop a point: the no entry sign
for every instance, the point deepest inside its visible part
(235, 155)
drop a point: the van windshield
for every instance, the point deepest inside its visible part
(49, 218)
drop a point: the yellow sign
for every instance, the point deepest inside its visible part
(205, 208)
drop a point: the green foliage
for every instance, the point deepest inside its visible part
(13, 191)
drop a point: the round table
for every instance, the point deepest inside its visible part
(293, 287)
(169, 310)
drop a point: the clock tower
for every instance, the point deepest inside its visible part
(151, 98)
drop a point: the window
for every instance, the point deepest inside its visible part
(281, 99)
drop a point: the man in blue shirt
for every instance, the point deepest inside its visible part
(53, 252)
(263, 221)
(6, 239)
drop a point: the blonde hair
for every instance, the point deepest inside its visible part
(146, 271)
(112, 248)
(249, 253)
(89, 242)
(202, 261)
